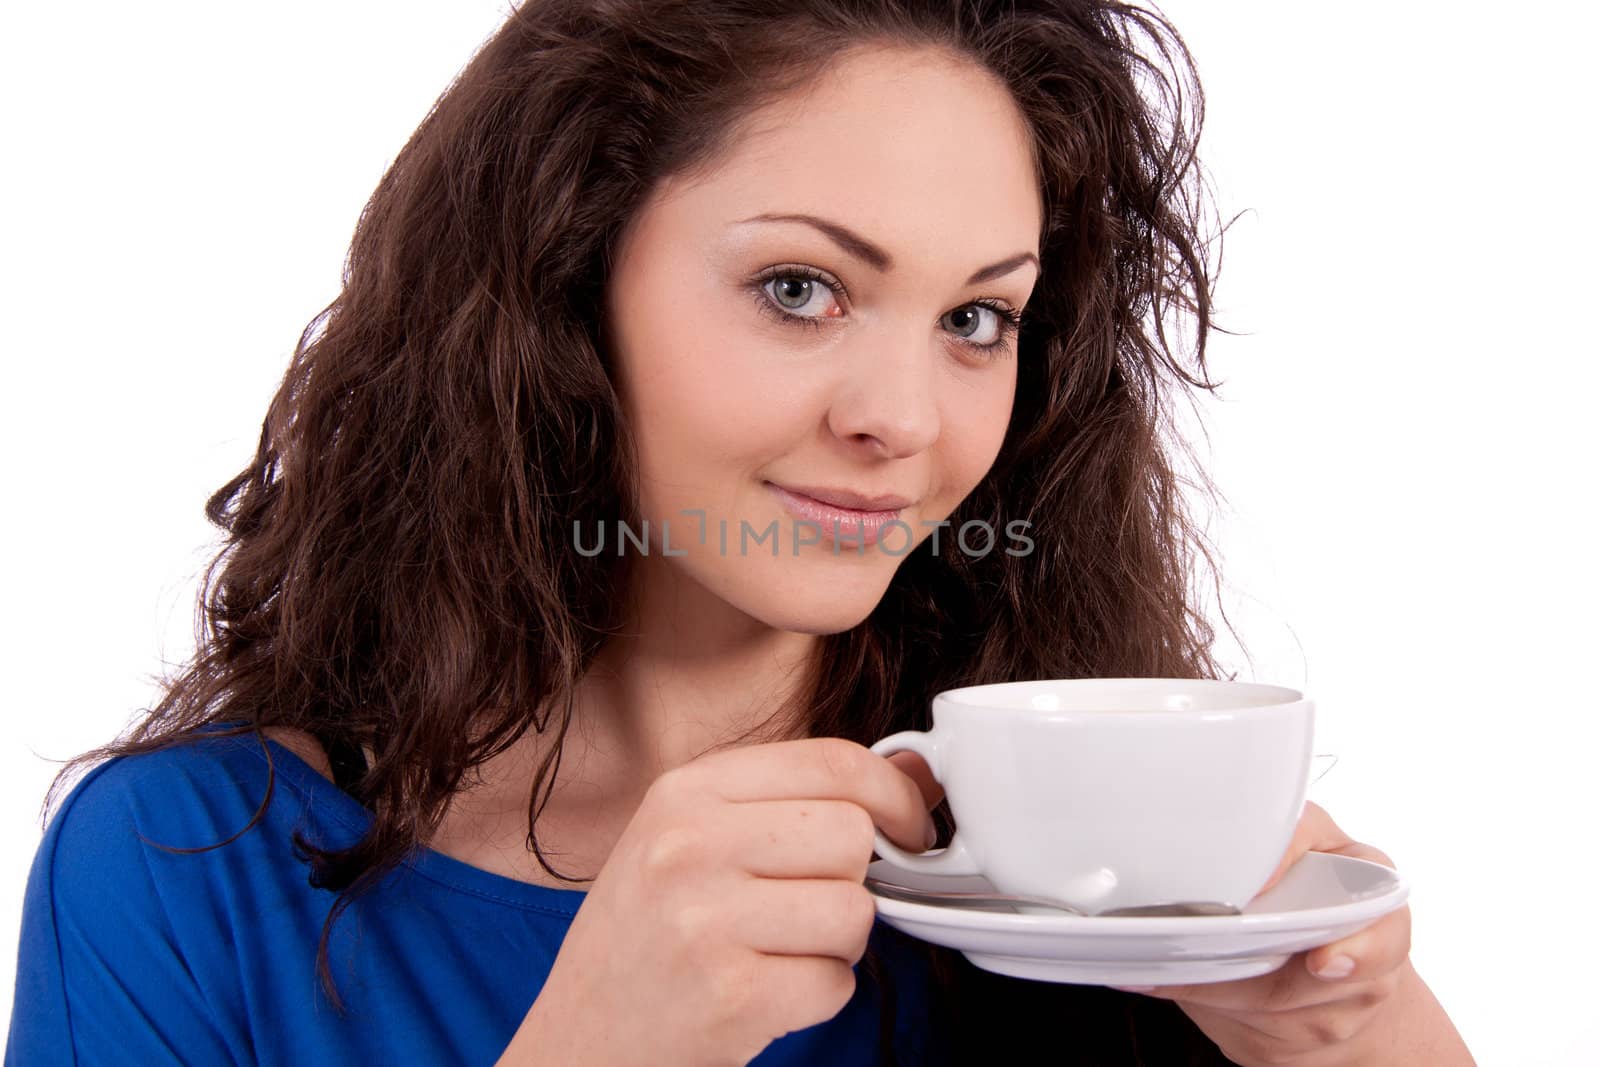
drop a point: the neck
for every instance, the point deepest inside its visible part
(690, 673)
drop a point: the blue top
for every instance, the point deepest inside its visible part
(131, 954)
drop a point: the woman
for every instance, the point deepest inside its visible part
(688, 267)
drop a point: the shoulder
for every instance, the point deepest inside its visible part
(165, 838)
(160, 840)
(193, 788)
(132, 814)
(124, 907)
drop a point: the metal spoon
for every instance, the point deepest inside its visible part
(932, 896)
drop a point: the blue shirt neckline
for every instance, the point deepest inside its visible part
(428, 862)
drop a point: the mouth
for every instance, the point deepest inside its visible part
(838, 520)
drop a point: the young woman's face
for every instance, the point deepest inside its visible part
(741, 370)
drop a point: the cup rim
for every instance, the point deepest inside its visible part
(991, 698)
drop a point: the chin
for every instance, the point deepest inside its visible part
(820, 622)
(813, 605)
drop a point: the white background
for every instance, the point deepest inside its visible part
(1400, 437)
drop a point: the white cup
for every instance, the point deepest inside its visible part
(1115, 792)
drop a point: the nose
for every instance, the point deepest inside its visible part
(888, 401)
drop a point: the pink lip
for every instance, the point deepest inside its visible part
(844, 498)
(853, 524)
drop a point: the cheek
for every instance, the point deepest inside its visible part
(976, 430)
(708, 408)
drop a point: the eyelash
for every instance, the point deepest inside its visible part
(1010, 320)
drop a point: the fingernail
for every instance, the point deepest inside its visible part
(931, 837)
(1338, 967)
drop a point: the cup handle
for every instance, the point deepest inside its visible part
(953, 858)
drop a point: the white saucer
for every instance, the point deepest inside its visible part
(1321, 899)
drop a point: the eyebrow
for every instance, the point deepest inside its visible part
(863, 249)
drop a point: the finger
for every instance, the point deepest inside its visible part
(1315, 832)
(801, 917)
(799, 838)
(913, 765)
(798, 992)
(1324, 961)
(1280, 989)
(1291, 989)
(1298, 846)
(1362, 852)
(824, 768)
(1373, 951)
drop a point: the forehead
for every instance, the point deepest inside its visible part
(903, 143)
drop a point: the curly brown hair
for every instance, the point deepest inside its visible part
(396, 570)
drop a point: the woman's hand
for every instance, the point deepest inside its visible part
(1355, 1001)
(730, 912)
